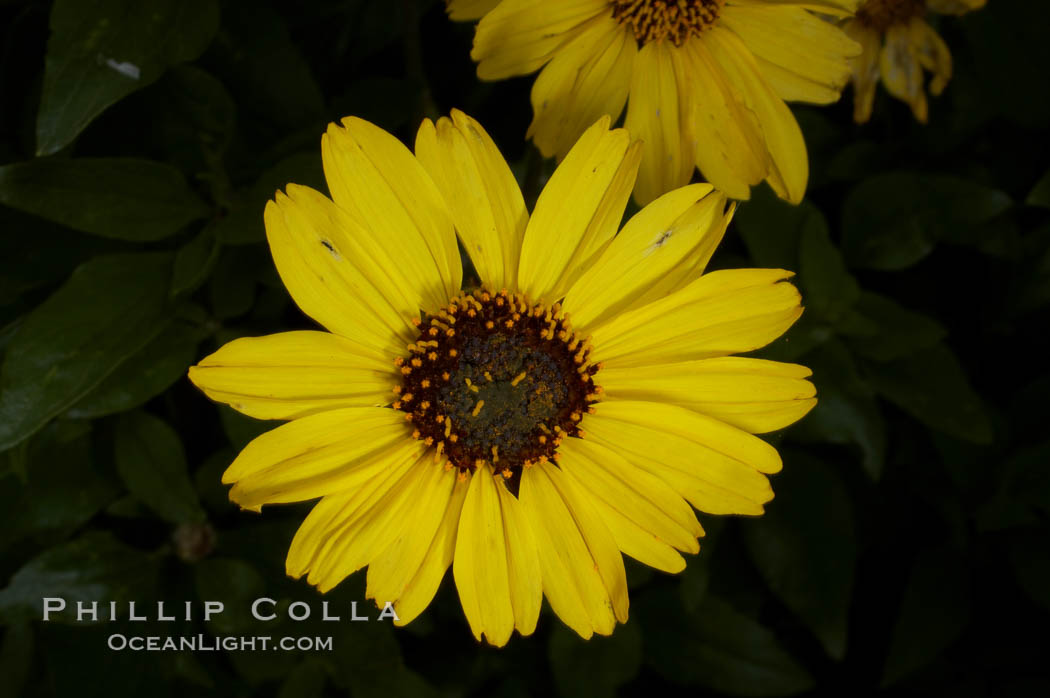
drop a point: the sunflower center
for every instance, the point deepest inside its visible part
(882, 14)
(656, 20)
(495, 379)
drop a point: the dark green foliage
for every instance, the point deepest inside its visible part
(906, 550)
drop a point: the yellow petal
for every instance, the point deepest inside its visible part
(393, 569)
(313, 246)
(787, 149)
(523, 563)
(572, 578)
(723, 312)
(955, 7)
(294, 374)
(865, 68)
(655, 115)
(727, 140)
(901, 70)
(646, 517)
(578, 211)
(836, 8)
(317, 455)
(357, 541)
(932, 53)
(667, 242)
(421, 589)
(715, 466)
(518, 36)
(481, 192)
(464, 10)
(375, 178)
(755, 395)
(587, 79)
(803, 57)
(480, 565)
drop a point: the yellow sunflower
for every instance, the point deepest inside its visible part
(705, 81)
(482, 428)
(897, 45)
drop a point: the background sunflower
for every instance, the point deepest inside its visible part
(905, 551)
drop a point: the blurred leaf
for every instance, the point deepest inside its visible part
(891, 221)
(717, 647)
(197, 110)
(772, 228)
(932, 387)
(306, 680)
(1030, 560)
(194, 262)
(805, 548)
(236, 584)
(110, 308)
(828, 287)
(1023, 493)
(1040, 194)
(118, 198)
(103, 50)
(232, 287)
(595, 667)
(150, 460)
(62, 489)
(881, 329)
(241, 429)
(16, 659)
(208, 480)
(146, 374)
(846, 411)
(93, 567)
(80, 665)
(368, 659)
(935, 609)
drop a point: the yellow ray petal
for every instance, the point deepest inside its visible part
(717, 467)
(803, 57)
(421, 589)
(836, 8)
(480, 564)
(578, 211)
(359, 539)
(463, 10)
(752, 394)
(728, 144)
(519, 36)
(587, 79)
(312, 243)
(723, 312)
(932, 53)
(865, 68)
(316, 455)
(787, 149)
(293, 374)
(481, 192)
(572, 580)
(901, 70)
(672, 237)
(523, 563)
(390, 572)
(655, 114)
(646, 517)
(378, 181)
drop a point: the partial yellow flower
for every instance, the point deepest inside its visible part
(897, 45)
(483, 429)
(704, 81)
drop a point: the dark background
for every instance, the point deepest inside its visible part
(907, 549)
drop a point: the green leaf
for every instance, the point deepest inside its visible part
(110, 308)
(892, 221)
(236, 584)
(61, 488)
(145, 375)
(194, 262)
(120, 198)
(717, 647)
(595, 667)
(828, 287)
(879, 328)
(805, 549)
(306, 680)
(368, 659)
(931, 386)
(846, 411)
(150, 460)
(241, 429)
(934, 611)
(94, 567)
(772, 228)
(103, 50)
(1040, 194)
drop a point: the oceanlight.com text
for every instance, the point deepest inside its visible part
(207, 643)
